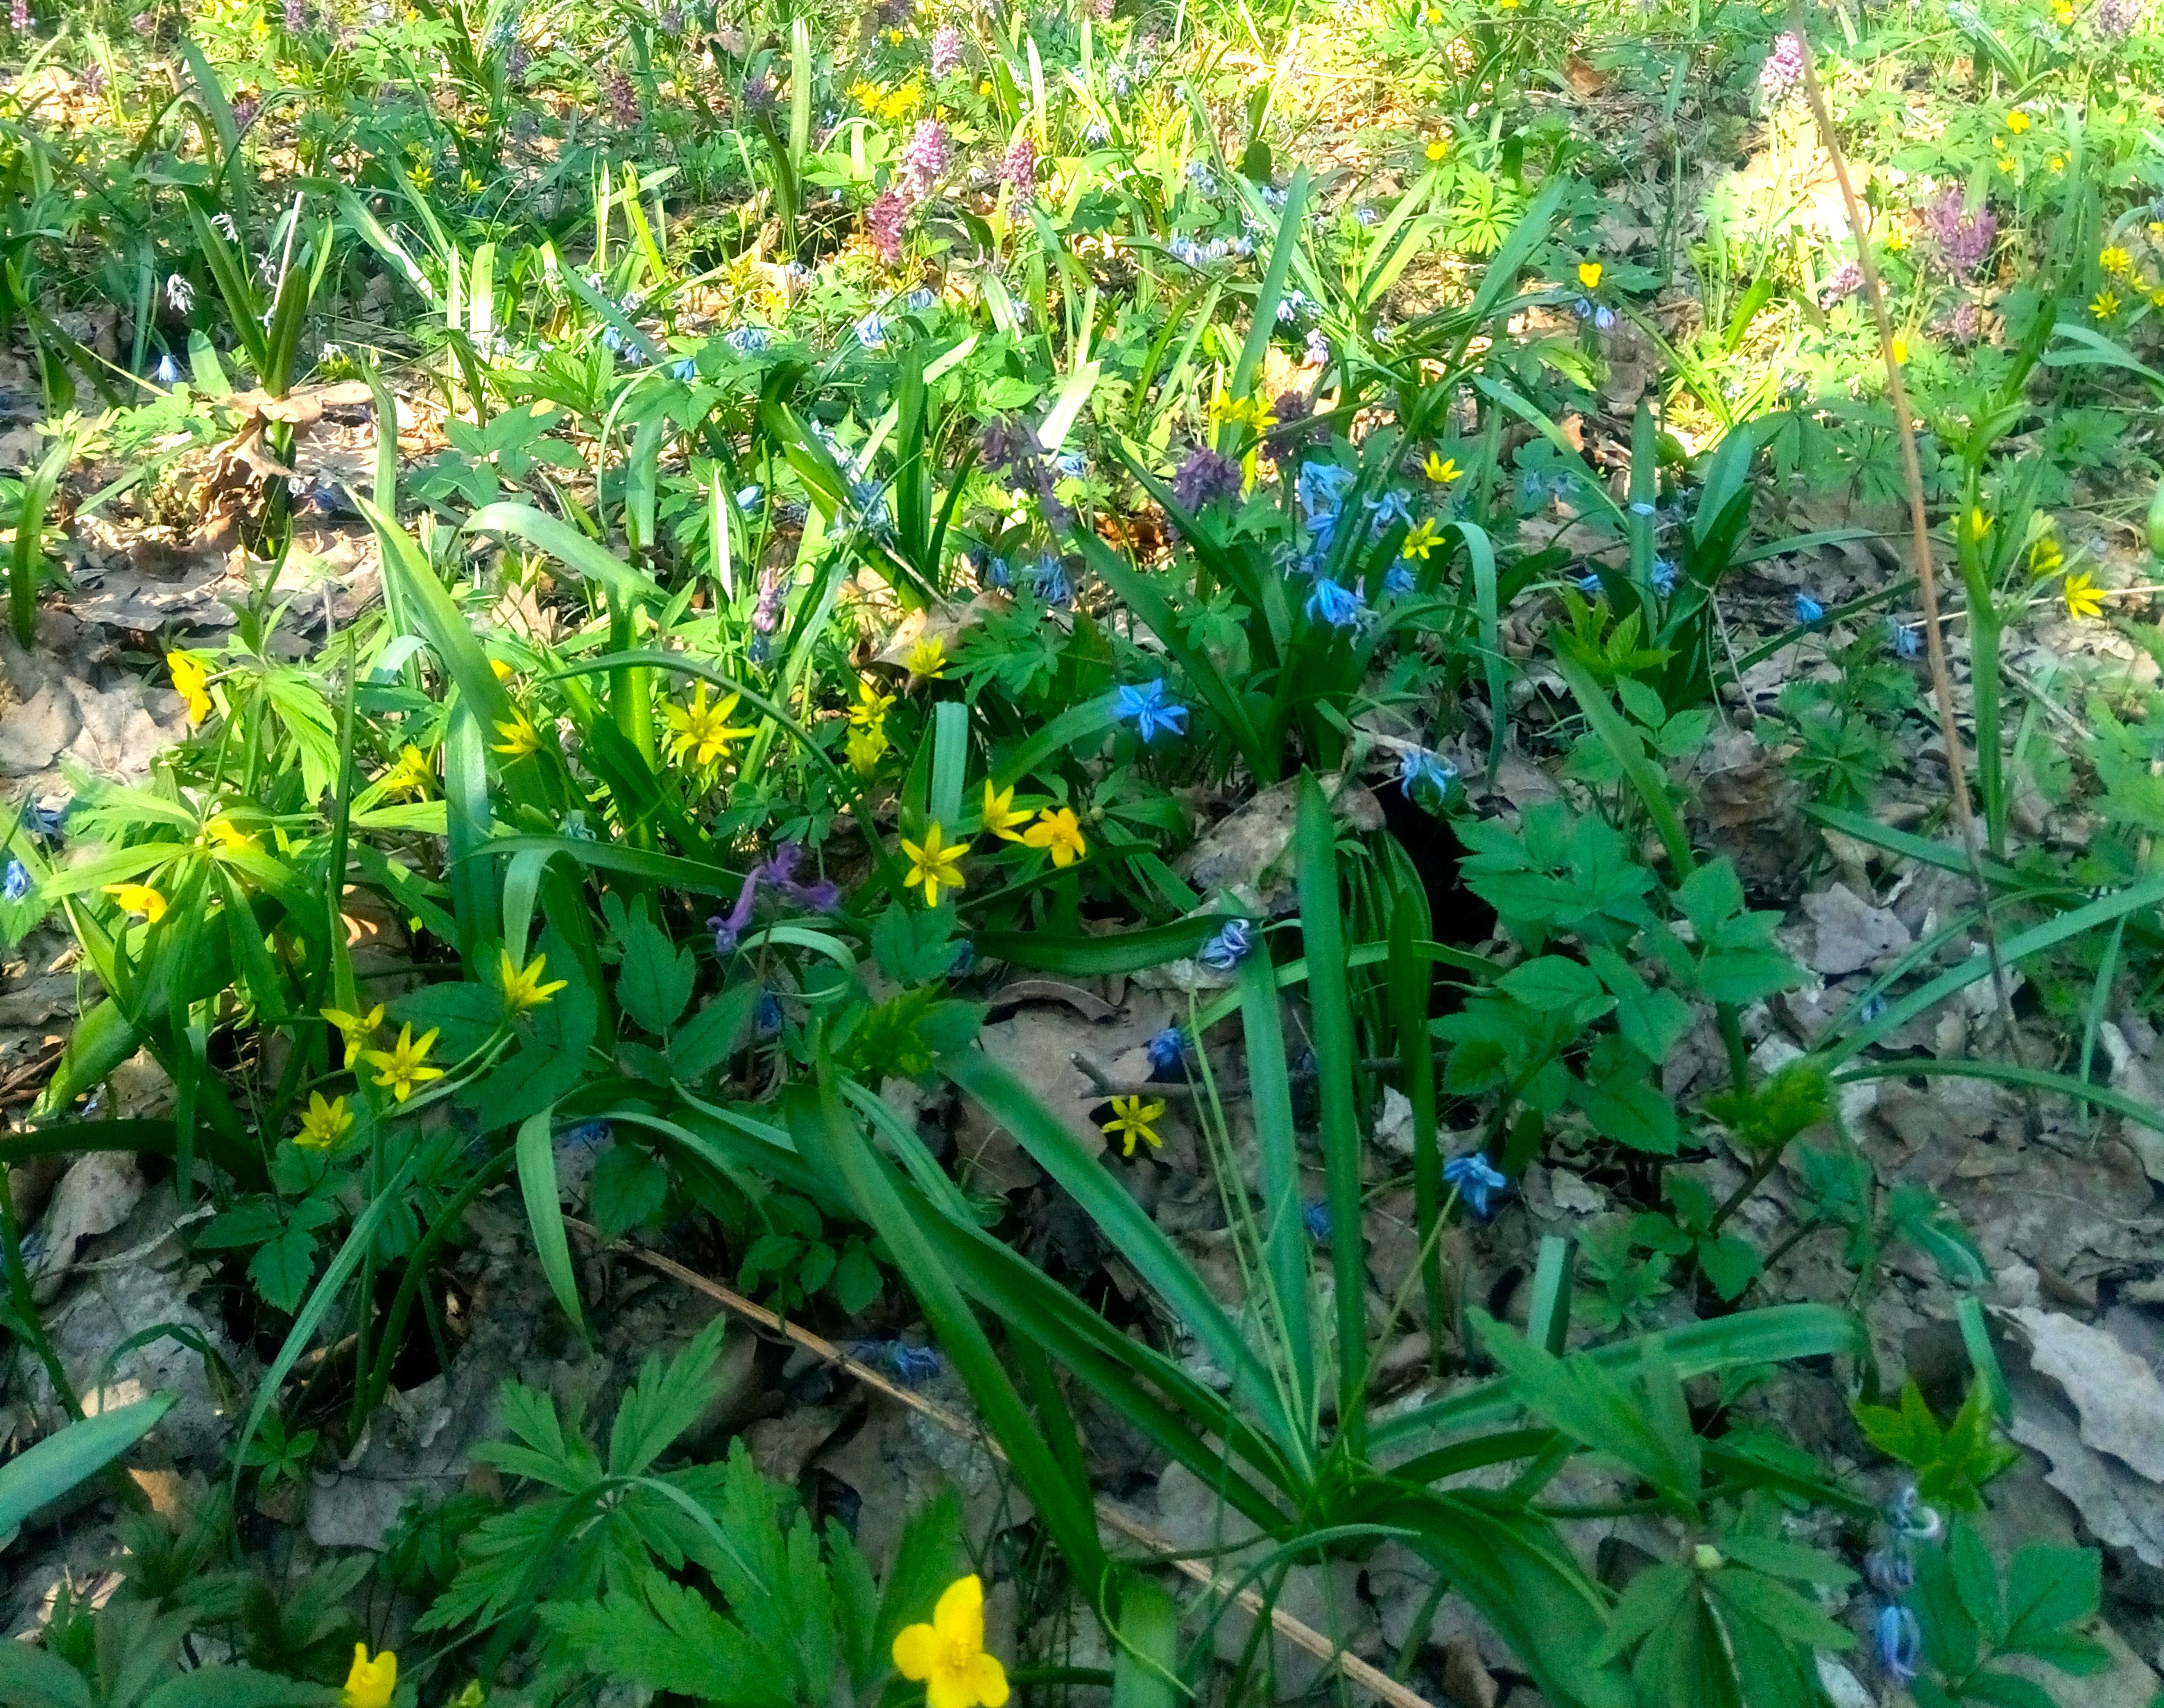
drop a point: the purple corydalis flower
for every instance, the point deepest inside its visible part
(1843, 283)
(1784, 66)
(1964, 238)
(1226, 947)
(19, 17)
(777, 872)
(1475, 1178)
(2115, 19)
(1018, 167)
(924, 156)
(1204, 476)
(296, 17)
(1145, 705)
(624, 102)
(884, 220)
(946, 50)
(761, 94)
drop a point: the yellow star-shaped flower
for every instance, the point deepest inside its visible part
(2082, 596)
(404, 1065)
(522, 989)
(410, 779)
(359, 1030)
(928, 658)
(325, 1123)
(871, 706)
(1001, 816)
(935, 863)
(1421, 540)
(1131, 1119)
(520, 737)
(702, 731)
(1442, 471)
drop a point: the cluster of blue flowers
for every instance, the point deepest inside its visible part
(1896, 1637)
(1186, 250)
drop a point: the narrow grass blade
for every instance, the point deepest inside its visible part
(1322, 933)
(544, 1212)
(77, 1453)
(1411, 981)
(1284, 1231)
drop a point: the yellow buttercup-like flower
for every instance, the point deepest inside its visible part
(190, 681)
(947, 1656)
(1422, 539)
(871, 706)
(138, 898)
(325, 1123)
(1588, 274)
(935, 863)
(520, 737)
(1131, 1119)
(228, 834)
(703, 731)
(1438, 148)
(359, 1030)
(2084, 597)
(404, 1065)
(2017, 122)
(522, 989)
(928, 658)
(1442, 471)
(1900, 350)
(1001, 817)
(1059, 831)
(371, 1683)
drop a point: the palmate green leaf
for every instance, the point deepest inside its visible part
(664, 1402)
(2048, 1588)
(1650, 1600)
(665, 1637)
(655, 979)
(2007, 1691)
(1777, 1607)
(1637, 1424)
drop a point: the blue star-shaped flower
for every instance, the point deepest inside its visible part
(1144, 705)
(1476, 1179)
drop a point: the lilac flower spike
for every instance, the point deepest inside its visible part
(1144, 704)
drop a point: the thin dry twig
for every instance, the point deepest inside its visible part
(1920, 528)
(1372, 1680)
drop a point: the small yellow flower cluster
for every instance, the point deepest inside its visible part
(867, 743)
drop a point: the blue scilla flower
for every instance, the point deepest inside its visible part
(1417, 766)
(574, 826)
(1640, 506)
(749, 340)
(1664, 577)
(1873, 1006)
(1604, 318)
(1047, 576)
(1226, 947)
(1475, 1178)
(1318, 347)
(1145, 705)
(1324, 529)
(1315, 1218)
(913, 1365)
(1583, 308)
(1809, 611)
(17, 883)
(686, 370)
(767, 1017)
(999, 574)
(1907, 640)
(1391, 506)
(965, 959)
(1333, 603)
(1398, 580)
(919, 300)
(1898, 1641)
(1589, 583)
(46, 823)
(871, 331)
(746, 496)
(1910, 1518)
(587, 1136)
(1891, 1571)
(1167, 1050)
(611, 339)
(1321, 488)
(1072, 464)
(168, 371)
